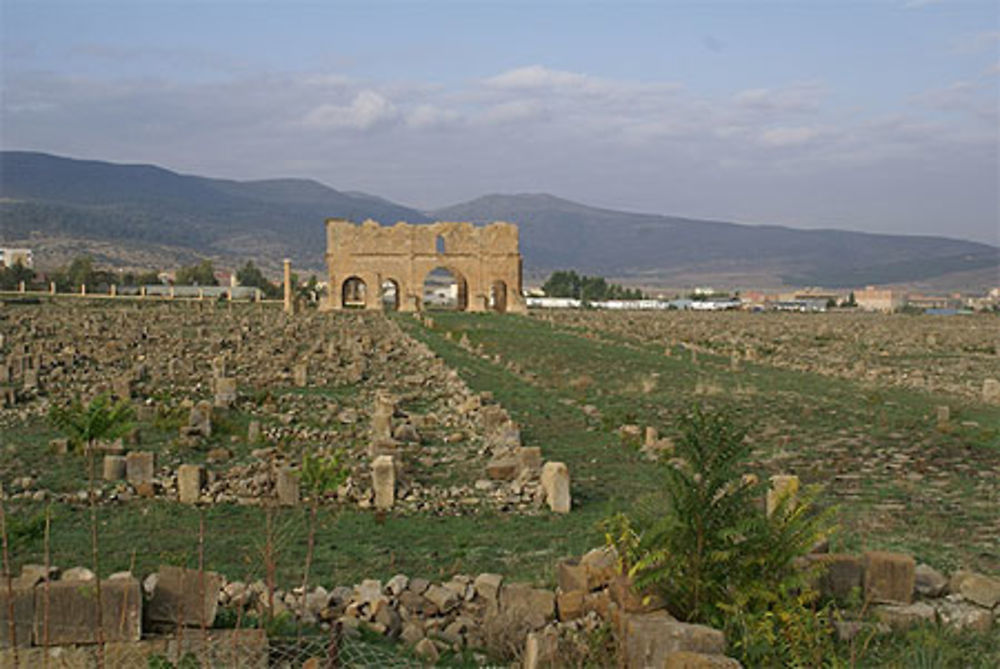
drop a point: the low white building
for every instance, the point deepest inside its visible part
(10, 257)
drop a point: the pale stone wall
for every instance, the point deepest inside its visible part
(480, 258)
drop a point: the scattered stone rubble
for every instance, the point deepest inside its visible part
(313, 384)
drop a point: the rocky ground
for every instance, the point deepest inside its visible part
(247, 392)
(942, 354)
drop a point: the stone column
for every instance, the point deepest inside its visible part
(52, 287)
(83, 289)
(113, 290)
(20, 286)
(288, 286)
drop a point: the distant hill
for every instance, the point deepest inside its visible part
(142, 214)
(45, 196)
(560, 233)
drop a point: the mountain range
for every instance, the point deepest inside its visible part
(142, 214)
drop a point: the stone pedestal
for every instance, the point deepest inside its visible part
(555, 482)
(384, 481)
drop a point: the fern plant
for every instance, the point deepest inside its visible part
(705, 542)
(84, 426)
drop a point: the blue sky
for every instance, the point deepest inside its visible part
(878, 116)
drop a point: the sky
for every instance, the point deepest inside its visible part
(879, 115)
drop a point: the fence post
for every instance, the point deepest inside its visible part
(11, 627)
(333, 649)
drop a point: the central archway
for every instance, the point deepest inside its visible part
(390, 295)
(445, 289)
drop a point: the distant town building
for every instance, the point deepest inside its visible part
(9, 257)
(934, 301)
(874, 299)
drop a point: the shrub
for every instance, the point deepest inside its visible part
(707, 547)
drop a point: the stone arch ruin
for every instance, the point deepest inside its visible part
(368, 262)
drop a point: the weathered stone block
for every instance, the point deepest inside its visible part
(225, 392)
(487, 586)
(840, 573)
(601, 565)
(190, 481)
(114, 467)
(445, 599)
(570, 605)
(532, 605)
(991, 390)
(140, 467)
(571, 575)
(889, 577)
(541, 650)
(253, 432)
(23, 599)
(300, 374)
(976, 588)
(929, 582)
(903, 617)
(529, 458)
(555, 482)
(384, 481)
(287, 486)
(650, 637)
(502, 468)
(73, 612)
(184, 596)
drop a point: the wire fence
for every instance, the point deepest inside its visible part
(220, 648)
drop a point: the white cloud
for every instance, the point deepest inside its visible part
(367, 110)
(511, 112)
(799, 97)
(539, 77)
(788, 136)
(430, 116)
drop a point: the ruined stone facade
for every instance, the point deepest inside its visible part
(374, 267)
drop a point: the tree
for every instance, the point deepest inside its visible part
(320, 477)
(562, 284)
(80, 271)
(85, 426)
(249, 275)
(202, 274)
(11, 277)
(704, 544)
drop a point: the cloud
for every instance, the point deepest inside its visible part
(430, 116)
(365, 111)
(799, 97)
(512, 112)
(535, 77)
(788, 136)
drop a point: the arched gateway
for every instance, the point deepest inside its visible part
(397, 259)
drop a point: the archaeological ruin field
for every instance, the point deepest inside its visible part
(895, 418)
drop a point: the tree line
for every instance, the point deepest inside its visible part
(81, 270)
(564, 283)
